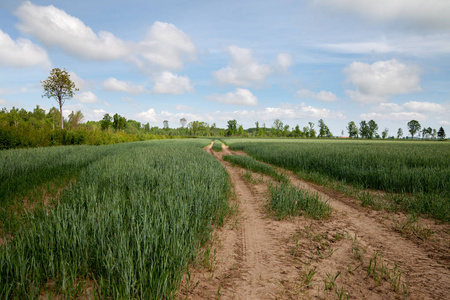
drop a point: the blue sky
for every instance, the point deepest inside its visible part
(297, 61)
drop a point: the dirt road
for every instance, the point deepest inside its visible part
(257, 257)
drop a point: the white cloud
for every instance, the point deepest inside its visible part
(113, 85)
(399, 116)
(167, 46)
(431, 14)
(286, 112)
(420, 45)
(321, 96)
(243, 69)
(169, 83)
(239, 97)
(387, 107)
(381, 79)
(444, 122)
(54, 27)
(86, 97)
(284, 61)
(424, 107)
(181, 107)
(79, 82)
(3, 102)
(21, 53)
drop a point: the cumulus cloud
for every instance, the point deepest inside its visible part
(54, 27)
(381, 79)
(79, 82)
(182, 107)
(238, 97)
(86, 97)
(21, 53)
(169, 83)
(285, 112)
(284, 61)
(321, 96)
(243, 69)
(431, 14)
(167, 46)
(399, 116)
(113, 85)
(407, 111)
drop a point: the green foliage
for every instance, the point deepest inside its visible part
(252, 164)
(128, 226)
(419, 170)
(413, 127)
(286, 200)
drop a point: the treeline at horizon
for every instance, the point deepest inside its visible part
(20, 128)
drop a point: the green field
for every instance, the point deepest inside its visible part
(127, 225)
(417, 170)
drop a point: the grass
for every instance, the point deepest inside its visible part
(416, 175)
(217, 146)
(287, 200)
(252, 164)
(128, 227)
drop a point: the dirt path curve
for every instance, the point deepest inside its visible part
(256, 257)
(252, 261)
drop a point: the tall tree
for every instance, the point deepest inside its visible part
(324, 131)
(232, 127)
(414, 127)
(75, 119)
(277, 127)
(106, 122)
(352, 130)
(399, 133)
(312, 131)
(183, 122)
(364, 130)
(373, 127)
(166, 125)
(59, 86)
(385, 133)
(441, 133)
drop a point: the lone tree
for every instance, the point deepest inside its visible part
(59, 86)
(441, 133)
(414, 127)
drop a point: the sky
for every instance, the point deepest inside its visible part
(214, 61)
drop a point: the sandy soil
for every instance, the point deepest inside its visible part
(256, 257)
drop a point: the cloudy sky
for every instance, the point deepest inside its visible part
(298, 61)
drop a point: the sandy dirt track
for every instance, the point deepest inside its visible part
(257, 257)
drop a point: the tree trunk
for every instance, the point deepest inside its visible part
(60, 112)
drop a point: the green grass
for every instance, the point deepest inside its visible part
(287, 200)
(418, 173)
(252, 164)
(128, 227)
(217, 146)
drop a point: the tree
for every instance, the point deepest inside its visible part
(399, 133)
(352, 130)
(106, 122)
(385, 133)
(183, 122)
(285, 130)
(364, 130)
(297, 131)
(312, 131)
(119, 122)
(257, 128)
(373, 127)
(232, 127)
(59, 86)
(441, 133)
(324, 130)
(414, 127)
(277, 127)
(75, 119)
(166, 125)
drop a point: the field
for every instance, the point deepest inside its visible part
(260, 219)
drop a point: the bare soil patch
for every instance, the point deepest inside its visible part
(357, 253)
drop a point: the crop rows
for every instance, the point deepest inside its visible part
(420, 169)
(127, 228)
